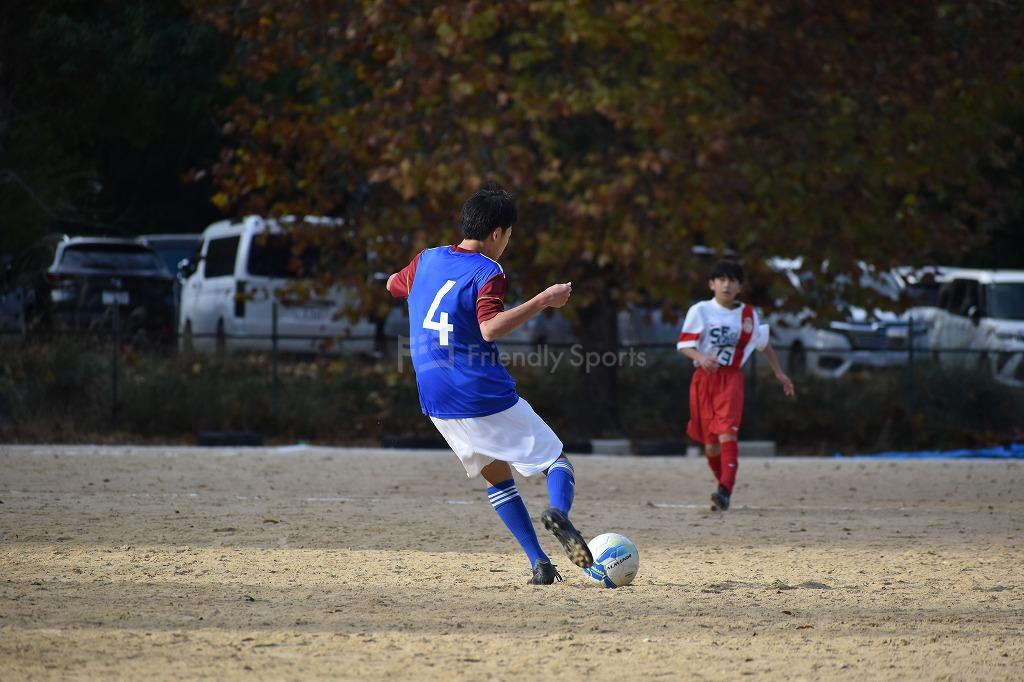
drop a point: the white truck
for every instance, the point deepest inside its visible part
(247, 266)
(979, 322)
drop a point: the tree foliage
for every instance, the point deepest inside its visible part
(630, 131)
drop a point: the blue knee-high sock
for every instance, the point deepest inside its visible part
(561, 485)
(506, 501)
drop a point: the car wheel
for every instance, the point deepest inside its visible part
(222, 340)
(986, 365)
(187, 345)
(797, 360)
(29, 322)
(138, 338)
(37, 324)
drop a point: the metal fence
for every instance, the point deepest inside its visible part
(1002, 366)
(917, 388)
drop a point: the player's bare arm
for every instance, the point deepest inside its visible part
(555, 296)
(708, 362)
(390, 279)
(773, 362)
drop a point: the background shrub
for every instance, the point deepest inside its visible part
(62, 392)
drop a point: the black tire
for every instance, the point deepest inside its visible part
(37, 324)
(985, 365)
(139, 339)
(222, 339)
(187, 345)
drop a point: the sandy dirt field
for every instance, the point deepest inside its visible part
(171, 563)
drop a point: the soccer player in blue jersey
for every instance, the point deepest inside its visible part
(456, 312)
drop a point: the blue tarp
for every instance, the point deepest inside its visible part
(1012, 451)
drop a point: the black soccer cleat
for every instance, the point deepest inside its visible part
(544, 573)
(572, 542)
(720, 499)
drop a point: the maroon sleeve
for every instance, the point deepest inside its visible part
(490, 300)
(401, 285)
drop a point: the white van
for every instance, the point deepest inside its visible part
(860, 338)
(979, 321)
(245, 267)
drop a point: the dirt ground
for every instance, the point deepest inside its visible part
(179, 563)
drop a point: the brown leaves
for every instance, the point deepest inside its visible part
(628, 129)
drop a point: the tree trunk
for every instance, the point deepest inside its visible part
(599, 334)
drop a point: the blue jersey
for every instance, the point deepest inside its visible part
(458, 373)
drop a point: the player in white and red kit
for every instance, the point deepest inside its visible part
(719, 335)
(456, 312)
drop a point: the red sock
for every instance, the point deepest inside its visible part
(715, 464)
(730, 464)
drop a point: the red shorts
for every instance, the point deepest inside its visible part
(716, 404)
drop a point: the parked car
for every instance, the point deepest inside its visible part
(173, 248)
(979, 322)
(72, 283)
(861, 338)
(247, 266)
(10, 306)
(919, 287)
(176, 251)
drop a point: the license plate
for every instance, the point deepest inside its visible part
(115, 297)
(310, 313)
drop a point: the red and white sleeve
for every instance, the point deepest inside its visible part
(693, 325)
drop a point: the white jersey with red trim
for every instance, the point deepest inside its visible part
(731, 335)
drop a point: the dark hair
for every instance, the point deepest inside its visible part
(488, 208)
(728, 269)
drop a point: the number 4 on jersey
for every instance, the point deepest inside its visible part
(442, 326)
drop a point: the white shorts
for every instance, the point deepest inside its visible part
(516, 435)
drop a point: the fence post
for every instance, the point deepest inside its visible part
(116, 359)
(274, 381)
(752, 413)
(911, 388)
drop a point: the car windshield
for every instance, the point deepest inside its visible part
(281, 256)
(924, 295)
(882, 283)
(118, 257)
(1006, 301)
(172, 253)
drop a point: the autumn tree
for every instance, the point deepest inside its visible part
(630, 131)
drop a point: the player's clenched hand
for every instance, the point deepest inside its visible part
(707, 362)
(557, 295)
(787, 384)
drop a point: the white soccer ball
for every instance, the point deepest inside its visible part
(616, 560)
